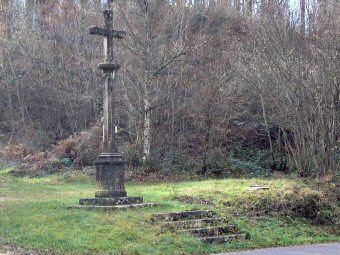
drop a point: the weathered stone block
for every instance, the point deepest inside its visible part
(175, 216)
(223, 239)
(112, 208)
(199, 223)
(214, 231)
(110, 201)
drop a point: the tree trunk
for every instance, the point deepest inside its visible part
(268, 132)
(147, 128)
(303, 16)
(4, 22)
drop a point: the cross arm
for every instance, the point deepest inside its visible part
(107, 32)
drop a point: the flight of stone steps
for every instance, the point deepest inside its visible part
(204, 224)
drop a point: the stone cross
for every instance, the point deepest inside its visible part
(109, 67)
(110, 193)
(109, 164)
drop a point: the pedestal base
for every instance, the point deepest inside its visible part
(110, 175)
(112, 208)
(110, 201)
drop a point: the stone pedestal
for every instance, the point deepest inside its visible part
(110, 175)
(110, 183)
(110, 194)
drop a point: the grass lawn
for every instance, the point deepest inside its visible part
(33, 215)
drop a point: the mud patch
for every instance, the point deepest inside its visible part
(195, 200)
(4, 199)
(11, 249)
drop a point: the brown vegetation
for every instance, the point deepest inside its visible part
(203, 84)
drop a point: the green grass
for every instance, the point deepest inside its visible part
(33, 215)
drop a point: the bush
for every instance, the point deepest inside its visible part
(81, 149)
(217, 165)
(131, 153)
(14, 152)
(314, 206)
(75, 152)
(163, 161)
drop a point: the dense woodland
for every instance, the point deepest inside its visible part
(205, 86)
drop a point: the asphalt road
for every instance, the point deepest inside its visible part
(309, 249)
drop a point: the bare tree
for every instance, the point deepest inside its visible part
(293, 79)
(152, 48)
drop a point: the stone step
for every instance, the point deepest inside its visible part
(110, 201)
(213, 231)
(200, 223)
(223, 239)
(111, 208)
(188, 215)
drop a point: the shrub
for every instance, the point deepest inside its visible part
(217, 164)
(15, 152)
(314, 206)
(81, 149)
